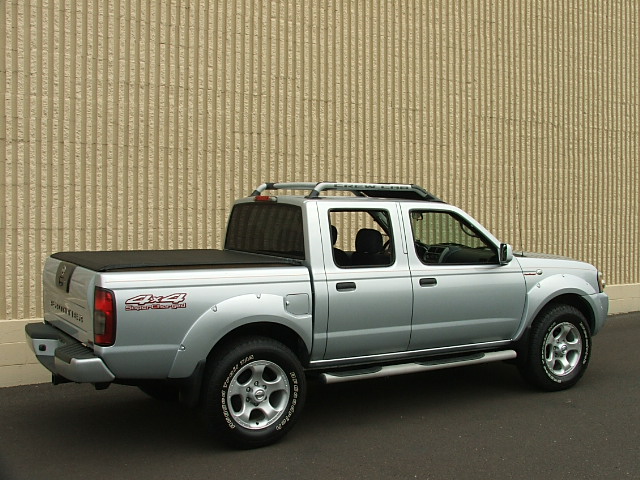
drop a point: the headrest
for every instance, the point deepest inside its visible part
(334, 234)
(369, 241)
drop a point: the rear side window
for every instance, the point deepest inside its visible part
(361, 238)
(266, 227)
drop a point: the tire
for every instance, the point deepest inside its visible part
(253, 393)
(559, 349)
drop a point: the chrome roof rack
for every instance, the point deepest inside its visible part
(375, 190)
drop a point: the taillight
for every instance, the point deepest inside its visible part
(104, 317)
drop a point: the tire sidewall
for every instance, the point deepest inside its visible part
(222, 372)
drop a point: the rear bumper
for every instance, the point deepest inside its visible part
(64, 356)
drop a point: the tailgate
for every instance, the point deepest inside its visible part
(68, 298)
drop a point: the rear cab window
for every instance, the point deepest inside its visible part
(268, 228)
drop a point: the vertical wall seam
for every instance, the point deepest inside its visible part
(5, 266)
(12, 228)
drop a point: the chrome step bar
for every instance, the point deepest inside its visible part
(407, 368)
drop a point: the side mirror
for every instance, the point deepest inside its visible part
(505, 255)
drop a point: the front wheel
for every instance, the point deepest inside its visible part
(559, 349)
(253, 393)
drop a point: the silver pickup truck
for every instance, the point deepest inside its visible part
(345, 282)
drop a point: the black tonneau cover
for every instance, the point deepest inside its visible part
(108, 261)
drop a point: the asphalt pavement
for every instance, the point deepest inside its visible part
(480, 422)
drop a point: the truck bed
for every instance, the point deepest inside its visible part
(109, 261)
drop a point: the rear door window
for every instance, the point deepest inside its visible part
(361, 238)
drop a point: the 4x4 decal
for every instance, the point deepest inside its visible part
(152, 302)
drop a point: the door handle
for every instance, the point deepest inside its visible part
(345, 286)
(428, 282)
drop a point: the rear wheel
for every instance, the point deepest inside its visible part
(559, 350)
(253, 393)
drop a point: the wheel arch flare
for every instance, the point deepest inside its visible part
(245, 313)
(561, 288)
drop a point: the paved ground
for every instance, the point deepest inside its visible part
(480, 422)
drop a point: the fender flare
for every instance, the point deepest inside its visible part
(228, 315)
(546, 290)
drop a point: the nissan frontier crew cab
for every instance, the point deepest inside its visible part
(347, 282)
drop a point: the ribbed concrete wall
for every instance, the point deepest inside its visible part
(128, 124)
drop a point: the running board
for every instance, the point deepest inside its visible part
(406, 368)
